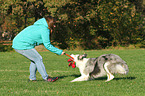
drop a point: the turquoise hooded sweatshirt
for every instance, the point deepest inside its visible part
(34, 35)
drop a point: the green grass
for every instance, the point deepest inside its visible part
(14, 74)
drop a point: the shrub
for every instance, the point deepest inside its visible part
(4, 48)
(98, 24)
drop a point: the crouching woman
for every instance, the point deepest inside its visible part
(36, 34)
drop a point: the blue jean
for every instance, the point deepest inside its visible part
(36, 63)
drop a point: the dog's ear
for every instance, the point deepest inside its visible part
(82, 56)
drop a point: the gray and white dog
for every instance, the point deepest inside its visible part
(107, 64)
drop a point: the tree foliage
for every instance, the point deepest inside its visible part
(87, 24)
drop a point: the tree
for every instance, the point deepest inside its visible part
(90, 24)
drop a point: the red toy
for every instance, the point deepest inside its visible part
(72, 62)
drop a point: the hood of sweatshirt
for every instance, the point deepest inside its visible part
(41, 21)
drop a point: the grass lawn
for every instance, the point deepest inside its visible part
(14, 74)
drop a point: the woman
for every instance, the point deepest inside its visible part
(36, 34)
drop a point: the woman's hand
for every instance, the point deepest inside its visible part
(62, 53)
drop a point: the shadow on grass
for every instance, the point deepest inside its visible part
(100, 78)
(129, 78)
(59, 77)
(105, 78)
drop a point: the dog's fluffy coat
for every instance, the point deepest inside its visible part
(106, 64)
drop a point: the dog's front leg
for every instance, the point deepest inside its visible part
(81, 78)
(109, 75)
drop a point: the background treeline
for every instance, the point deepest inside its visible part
(82, 24)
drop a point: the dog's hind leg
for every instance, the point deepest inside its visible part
(109, 75)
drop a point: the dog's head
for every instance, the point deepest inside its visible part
(122, 68)
(78, 57)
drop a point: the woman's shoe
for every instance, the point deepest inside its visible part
(51, 79)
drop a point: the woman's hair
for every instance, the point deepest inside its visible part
(50, 21)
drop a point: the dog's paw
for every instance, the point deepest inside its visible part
(108, 80)
(77, 79)
(110, 77)
(73, 81)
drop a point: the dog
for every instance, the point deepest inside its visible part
(107, 64)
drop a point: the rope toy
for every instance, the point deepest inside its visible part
(71, 61)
